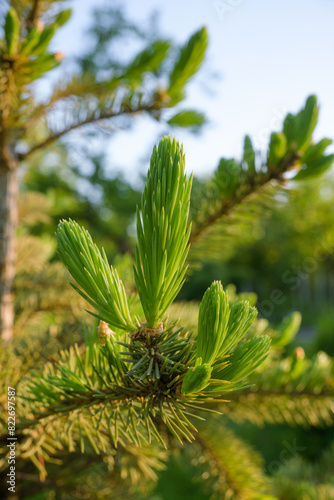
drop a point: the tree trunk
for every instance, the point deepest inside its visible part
(8, 225)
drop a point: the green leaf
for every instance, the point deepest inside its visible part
(277, 148)
(213, 319)
(62, 18)
(148, 60)
(43, 42)
(187, 118)
(287, 330)
(12, 31)
(227, 176)
(249, 155)
(162, 230)
(306, 121)
(101, 285)
(187, 64)
(299, 128)
(197, 378)
(30, 41)
(314, 168)
(314, 151)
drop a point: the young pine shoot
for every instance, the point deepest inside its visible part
(151, 371)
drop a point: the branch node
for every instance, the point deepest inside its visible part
(144, 332)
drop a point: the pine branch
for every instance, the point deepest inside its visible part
(129, 81)
(146, 392)
(83, 85)
(24, 57)
(78, 86)
(228, 464)
(170, 372)
(99, 282)
(132, 469)
(302, 408)
(91, 119)
(235, 183)
(294, 390)
(254, 185)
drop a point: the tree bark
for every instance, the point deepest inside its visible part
(8, 226)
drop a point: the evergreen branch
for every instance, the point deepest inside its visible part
(170, 373)
(296, 373)
(228, 464)
(90, 268)
(124, 389)
(91, 119)
(293, 390)
(254, 185)
(146, 391)
(235, 183)
(77, 86)
(46, 444)
(281, 407)
(85, 85)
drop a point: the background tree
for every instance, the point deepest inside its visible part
(28, 125)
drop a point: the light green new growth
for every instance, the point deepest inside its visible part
(190, 58)
(245, 358)
(219, 346)
(212, 323)
(100, 282)
(299, 128)
(241, 317)
(12, 31)
(160, 253)
(168, 371)
(147, 383)
(221, 325)
(197, 378)
(162, 231)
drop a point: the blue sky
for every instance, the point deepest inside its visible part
(264, 59)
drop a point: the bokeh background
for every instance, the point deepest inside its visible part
(263, 60)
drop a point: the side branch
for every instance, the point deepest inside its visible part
(254, 184)
(90, 119)
(324, 393)
(69, 406)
